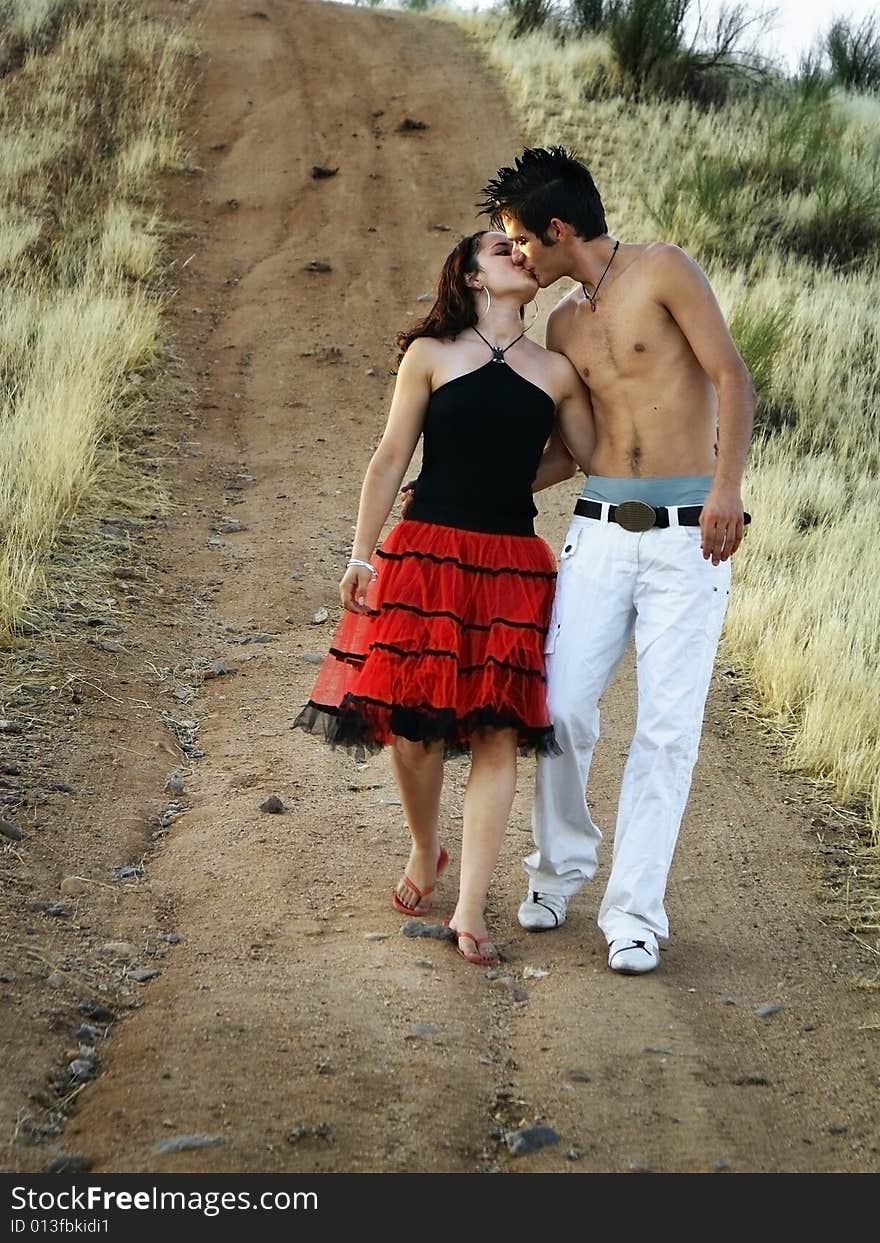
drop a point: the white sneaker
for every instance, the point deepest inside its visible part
(633, 957)
(541, 912)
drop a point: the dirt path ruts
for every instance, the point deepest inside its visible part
(279, 1023)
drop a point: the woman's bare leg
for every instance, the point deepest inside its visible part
(487, 802)
(418, 771)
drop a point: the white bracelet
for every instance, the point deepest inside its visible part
(365, 565)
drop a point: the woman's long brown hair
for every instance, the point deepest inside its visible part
(454, 308)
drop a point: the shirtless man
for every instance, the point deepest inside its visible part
(648, 550)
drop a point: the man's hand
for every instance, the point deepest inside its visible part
(407, 492)
(722, 524)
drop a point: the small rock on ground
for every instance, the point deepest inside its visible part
(10, 830)
(765, 1012)
(530, 1139)
(183, 1143)
(418, 928)
(69, 1163)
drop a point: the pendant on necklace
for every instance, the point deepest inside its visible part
(593, 306)
(497, 354)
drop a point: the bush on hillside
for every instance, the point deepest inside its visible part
(812, 81)
(845, 56)
(647, 37)
(588, 17)
(654, 59)
(800, 183)
(760, 334)
(529, 15)
(854, 54)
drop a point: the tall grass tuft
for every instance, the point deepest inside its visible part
(88, 117)
(31, 26)
(760, 333)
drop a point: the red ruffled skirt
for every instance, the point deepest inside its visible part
(453, 644)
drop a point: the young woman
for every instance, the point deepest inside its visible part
(441, 649)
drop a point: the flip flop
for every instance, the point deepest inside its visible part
(480, 960)
(398, 903)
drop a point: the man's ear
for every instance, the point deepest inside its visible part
(559, 230)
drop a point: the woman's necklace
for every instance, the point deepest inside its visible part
(591, 297)
(497, 352)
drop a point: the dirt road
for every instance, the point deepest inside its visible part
(290, 1023)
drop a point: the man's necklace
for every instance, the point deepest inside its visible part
(591, 297)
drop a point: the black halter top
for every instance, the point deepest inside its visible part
(484, 434)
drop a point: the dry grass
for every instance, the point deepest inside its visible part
(88, 120)
(804, 625)
(29, 24)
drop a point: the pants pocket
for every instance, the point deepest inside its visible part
(569, 548)
(572, 539)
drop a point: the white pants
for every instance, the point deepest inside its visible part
(612, 584)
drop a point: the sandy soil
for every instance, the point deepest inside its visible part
(289, 1020)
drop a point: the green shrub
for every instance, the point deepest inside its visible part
(800, 182)
(840, 225)
(854, 53)
(812, 81)
(588, 16)
(654, 59)
(759, 336)
(647, 39)
(529, 15)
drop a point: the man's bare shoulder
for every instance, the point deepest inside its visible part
(566, 303)
(560, 320)
(564, 307)
(675, 279)
(666, 257)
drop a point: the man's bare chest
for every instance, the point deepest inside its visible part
(619, 341)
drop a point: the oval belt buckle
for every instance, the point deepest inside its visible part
(635, 516)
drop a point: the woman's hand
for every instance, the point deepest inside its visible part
(353, 588)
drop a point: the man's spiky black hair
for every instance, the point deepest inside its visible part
(545, 183)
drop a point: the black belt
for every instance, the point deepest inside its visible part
(639, 516)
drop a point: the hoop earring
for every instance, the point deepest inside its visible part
(534, 319)
(488, 299)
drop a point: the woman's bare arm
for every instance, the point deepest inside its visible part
(387, 466)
